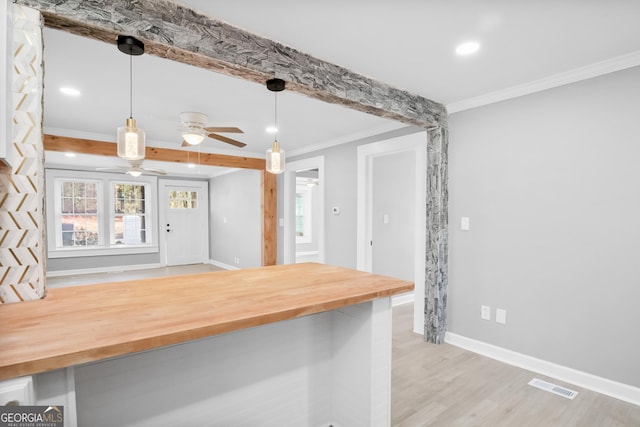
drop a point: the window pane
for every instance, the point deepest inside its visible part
(67, 205)
(67, 189)
(183, 199)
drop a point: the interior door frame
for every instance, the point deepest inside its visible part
(416, 143)
(163, 183)
(289, 243)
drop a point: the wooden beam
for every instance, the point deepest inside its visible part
(268, 180)
(101, 148)
(174, 31)
(269, 220)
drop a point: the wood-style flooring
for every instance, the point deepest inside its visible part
(443, 385)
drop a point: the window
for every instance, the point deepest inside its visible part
(91, 213)
(183, 199)
(79, 223)
(129, 214)
(303, 214)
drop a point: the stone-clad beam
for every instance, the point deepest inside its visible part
(176, 32)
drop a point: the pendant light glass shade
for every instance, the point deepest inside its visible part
(131, 141)
(275, 158)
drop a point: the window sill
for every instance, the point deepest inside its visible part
(82, 252)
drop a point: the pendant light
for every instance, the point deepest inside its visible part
(275, 154)
(131, 140)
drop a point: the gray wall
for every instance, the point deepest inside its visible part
(394, 189)
(236, 196)
(550, 183)
(340, 191)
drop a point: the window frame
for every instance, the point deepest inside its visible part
(106, 214)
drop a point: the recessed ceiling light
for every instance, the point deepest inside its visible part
(191, 165)
(271, 129)
(69, 91)
(70, 154)
(467, 48)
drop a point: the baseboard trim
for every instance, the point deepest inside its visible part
(223, 265)
(402, 299)
(585, 380)
(114, 269)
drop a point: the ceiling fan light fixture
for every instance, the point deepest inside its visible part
(193, 127)
(194, 136)
(131, 140)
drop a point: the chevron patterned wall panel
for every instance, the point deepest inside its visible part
(22, 185)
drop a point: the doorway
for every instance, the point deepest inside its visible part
(184, 231)
(392, 178)
(303, 218)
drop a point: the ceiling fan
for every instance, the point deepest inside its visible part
(134, 169)
(194, 130)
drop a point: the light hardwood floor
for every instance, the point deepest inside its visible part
(443, 385)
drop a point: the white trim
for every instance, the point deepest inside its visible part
(289, 243)
(416, 142)
(223, 265)
(6, 90)
(113, 269)
(402, 299)
(585, 380)
(306, 253)
(583, 73)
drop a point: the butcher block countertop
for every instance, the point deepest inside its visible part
(75, 325)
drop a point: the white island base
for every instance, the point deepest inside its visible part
(327, 369)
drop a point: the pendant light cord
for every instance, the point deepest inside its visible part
(131, 86)
(275, 114)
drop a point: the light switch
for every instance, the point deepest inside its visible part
(464, 223)
(385, 219)
(501, 316)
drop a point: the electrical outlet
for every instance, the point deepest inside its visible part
(501, 316)
(485, 312)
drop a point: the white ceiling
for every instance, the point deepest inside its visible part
(405, 43)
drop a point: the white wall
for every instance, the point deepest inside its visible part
(550, 183)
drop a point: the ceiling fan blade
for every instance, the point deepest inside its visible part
(224, 129)
(114, 168)
(227, 140)
(154, 171)
(185, 144)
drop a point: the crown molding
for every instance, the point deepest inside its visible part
(583, 73)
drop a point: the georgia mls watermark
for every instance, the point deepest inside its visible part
(31, 416)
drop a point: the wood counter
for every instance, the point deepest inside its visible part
(76, 325)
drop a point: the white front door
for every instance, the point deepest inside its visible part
(184, 223)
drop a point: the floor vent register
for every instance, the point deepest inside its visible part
(555, 389)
